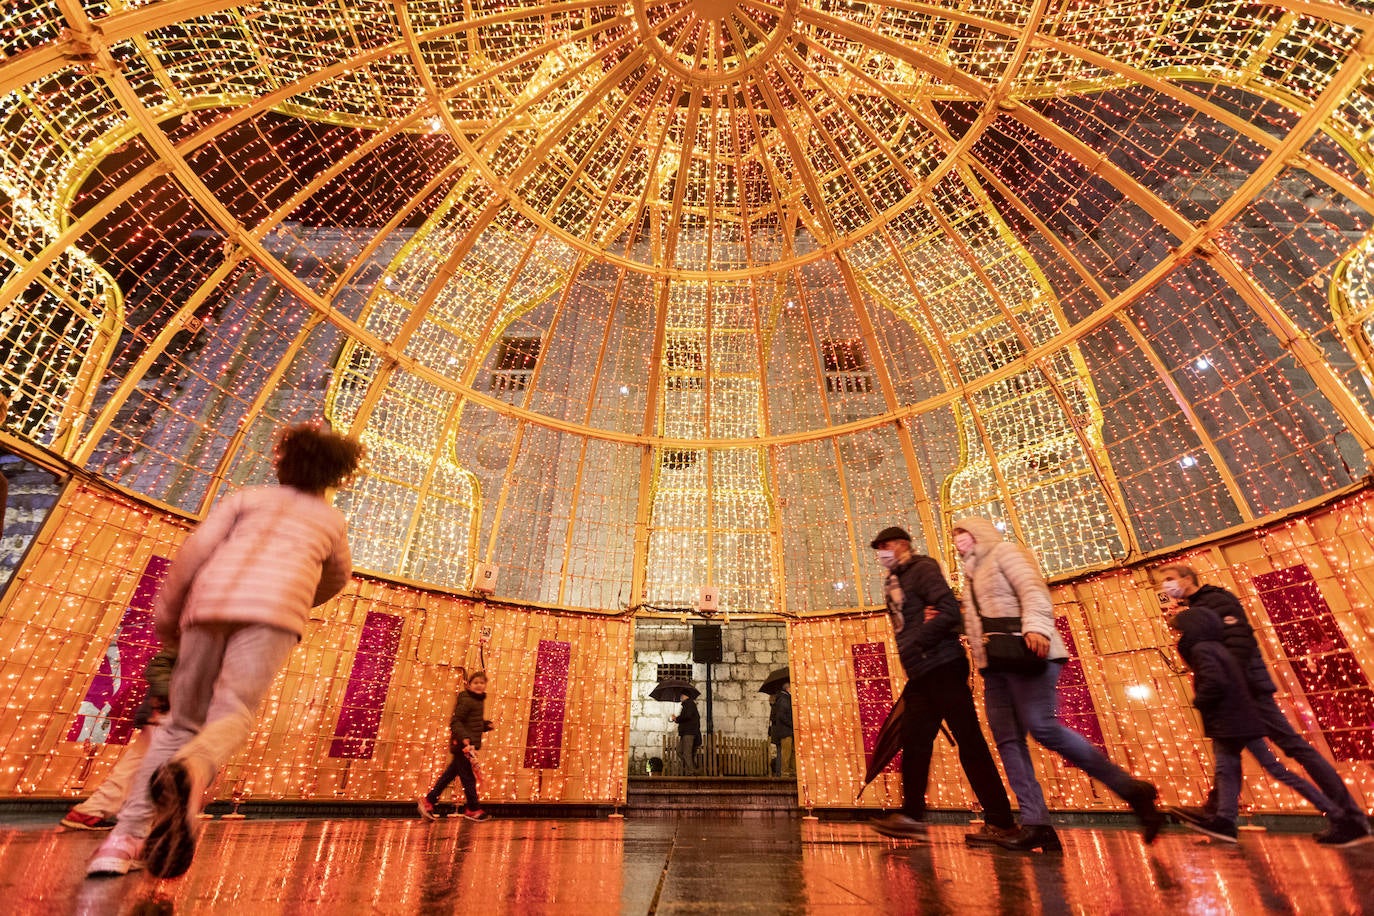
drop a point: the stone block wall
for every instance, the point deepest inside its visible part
(751, 651)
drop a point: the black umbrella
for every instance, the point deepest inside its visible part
(775, 681)
(672, 691)
(889, 743)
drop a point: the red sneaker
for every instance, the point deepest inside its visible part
(426, 809)
(77, 820)
(476, 814)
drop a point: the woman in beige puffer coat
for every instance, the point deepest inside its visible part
(1003, 581)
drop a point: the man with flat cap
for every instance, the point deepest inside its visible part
(927, 621)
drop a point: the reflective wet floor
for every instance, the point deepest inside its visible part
(683, 865)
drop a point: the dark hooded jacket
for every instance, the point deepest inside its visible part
(466, 721)
(1238, 635)
(923, 645)
(1219, 689)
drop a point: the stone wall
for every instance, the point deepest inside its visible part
(751, 650)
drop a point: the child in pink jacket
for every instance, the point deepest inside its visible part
(236, 599)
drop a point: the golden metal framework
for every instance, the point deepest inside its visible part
(664, 177)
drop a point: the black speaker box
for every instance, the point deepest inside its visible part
(707, 648)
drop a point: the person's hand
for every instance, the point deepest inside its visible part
(672, 718)
(931, 613)
(487, 726)
(1038, 644)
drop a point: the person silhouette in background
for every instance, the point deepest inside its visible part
(780, 731)
(688, 733)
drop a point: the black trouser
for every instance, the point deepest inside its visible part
(461, 767)
(943, 695)
(687, 750)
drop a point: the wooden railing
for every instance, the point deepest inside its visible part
(721, 755)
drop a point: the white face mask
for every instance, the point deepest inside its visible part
(887, 558)
(1174, 588)
(963, 542)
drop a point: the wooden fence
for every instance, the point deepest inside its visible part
(721, 755)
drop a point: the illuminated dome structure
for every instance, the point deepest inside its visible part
(631, 299)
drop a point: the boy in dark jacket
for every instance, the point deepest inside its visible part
(466, 727)
(1229, 716)
(927, 621)
(1348, 823)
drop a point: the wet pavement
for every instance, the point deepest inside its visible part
(678, 866)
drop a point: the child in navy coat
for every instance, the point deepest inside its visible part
(1229, 716)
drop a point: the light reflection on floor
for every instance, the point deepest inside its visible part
(686, 865)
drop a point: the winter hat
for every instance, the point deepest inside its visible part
(890, 534)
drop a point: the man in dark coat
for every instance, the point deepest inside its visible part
(780, 730)
(1349, 826)
(688, 733)
(927, 620)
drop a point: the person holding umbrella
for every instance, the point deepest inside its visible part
(688, 731)
(780, 728)
(926, 620)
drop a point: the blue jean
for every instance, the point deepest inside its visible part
(1259, 749)
(1280, 731)
(1227, 754)
(1018, 704)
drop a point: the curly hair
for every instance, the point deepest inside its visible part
(314, 459)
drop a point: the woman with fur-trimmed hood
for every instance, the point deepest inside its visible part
(1005, 593)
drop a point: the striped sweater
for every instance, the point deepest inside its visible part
(263, 555)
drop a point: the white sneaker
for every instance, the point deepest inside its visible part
(118, 855)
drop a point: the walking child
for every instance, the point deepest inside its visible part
(465, 728)
(1229, 715)
(99, 811)
(235, 600)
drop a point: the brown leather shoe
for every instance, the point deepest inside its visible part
(899, 826)
(989, 835)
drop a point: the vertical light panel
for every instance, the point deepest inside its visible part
(106, 714)
(1331, 677)
(365, 697)
(1076, 707)
(873, 684)
(544, 736)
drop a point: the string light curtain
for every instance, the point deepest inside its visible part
(633, 298)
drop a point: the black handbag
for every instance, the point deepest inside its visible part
(1006, 649)
(1005, 644)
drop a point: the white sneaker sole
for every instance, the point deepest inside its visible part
(1358, 841)
(1198, 828)
(111, 866)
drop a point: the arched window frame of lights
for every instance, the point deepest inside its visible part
(633, 299)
